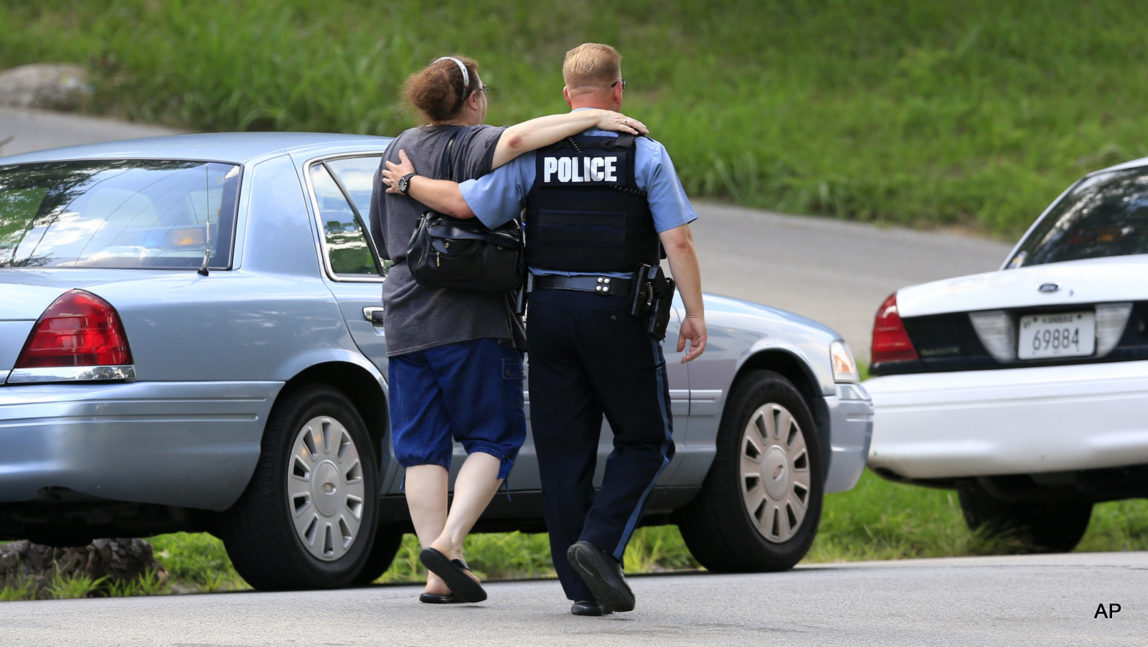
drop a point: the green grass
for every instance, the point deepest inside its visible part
(22, 590)
(196, 562)
(59, 586)
(971, 113)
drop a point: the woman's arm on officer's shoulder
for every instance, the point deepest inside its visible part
(543, 131)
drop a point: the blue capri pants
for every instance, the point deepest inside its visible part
(470, 392)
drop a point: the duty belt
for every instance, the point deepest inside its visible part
(604, 285)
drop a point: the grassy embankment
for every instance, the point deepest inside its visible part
(969, 114)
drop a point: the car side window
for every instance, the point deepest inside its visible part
(345, 243)
(355, 174)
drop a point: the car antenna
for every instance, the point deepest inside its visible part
(206, 229)
(202, 271)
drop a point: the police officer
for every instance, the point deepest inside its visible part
(455, 367)
(597, 209)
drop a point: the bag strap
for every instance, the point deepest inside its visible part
(446, 170)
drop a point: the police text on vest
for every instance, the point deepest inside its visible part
(580, 169)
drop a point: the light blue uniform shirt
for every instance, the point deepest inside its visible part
(500, 195)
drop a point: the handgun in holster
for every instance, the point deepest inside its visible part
(652, 294)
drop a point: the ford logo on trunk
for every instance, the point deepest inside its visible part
(1048, 288)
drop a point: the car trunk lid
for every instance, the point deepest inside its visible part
(25, 294)
(1073, 312)
(1056, 284)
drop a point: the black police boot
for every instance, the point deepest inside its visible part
(588, 608)
(603, 575)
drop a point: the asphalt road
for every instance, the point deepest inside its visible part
(832, 271)
(24, 130)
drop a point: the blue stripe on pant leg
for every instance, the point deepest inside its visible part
(667, 426)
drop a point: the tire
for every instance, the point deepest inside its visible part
(308, 518)
(743, 521)
(1026, 526)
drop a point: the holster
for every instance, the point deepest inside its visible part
(522, 295)
(652, 294)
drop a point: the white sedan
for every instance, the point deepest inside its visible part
(1025, 389)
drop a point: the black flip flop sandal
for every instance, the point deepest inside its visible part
(453, 572)
(438, 598)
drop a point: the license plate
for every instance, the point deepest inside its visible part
(1057, 334)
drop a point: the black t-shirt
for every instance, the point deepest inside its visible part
(417, 317)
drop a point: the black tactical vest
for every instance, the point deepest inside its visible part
(585, 213)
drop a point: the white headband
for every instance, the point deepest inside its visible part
(461, 67)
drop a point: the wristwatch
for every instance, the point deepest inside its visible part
(404, 184)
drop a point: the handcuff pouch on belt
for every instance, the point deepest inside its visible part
(651, 294)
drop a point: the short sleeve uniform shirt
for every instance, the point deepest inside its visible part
(499, 196)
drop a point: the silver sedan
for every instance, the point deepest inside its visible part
(191, 338)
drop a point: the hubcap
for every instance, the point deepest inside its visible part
(775, 474)
(325, 488)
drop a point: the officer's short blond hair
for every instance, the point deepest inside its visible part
(591, 65)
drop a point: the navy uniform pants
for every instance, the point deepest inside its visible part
(588, 359)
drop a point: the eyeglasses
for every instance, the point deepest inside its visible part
(621, 80)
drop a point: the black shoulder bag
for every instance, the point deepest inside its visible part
(462, 253)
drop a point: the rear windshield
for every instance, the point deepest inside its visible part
(1103, 215)
(118, 214)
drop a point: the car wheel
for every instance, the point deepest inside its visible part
(1026, 526)
(308, 518)
(760, 504)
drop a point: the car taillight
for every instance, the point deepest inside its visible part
(891, 342)
(78, 329)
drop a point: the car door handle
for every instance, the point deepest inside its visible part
(373, 314)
